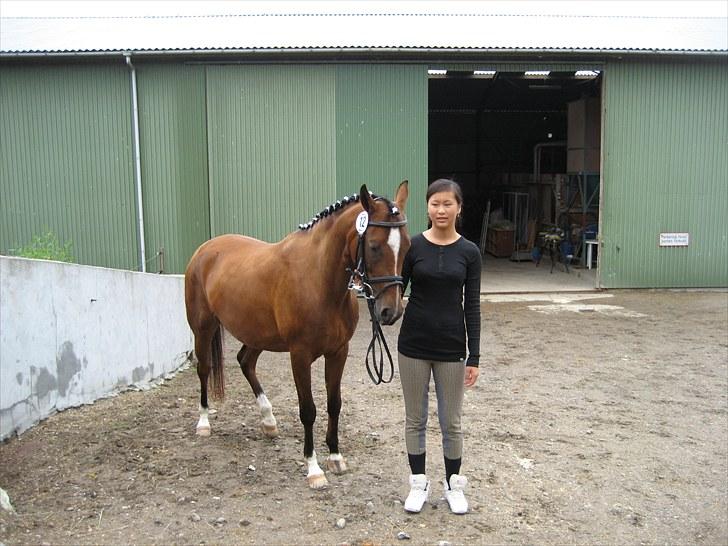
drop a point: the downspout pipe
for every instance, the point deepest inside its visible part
(137, 163)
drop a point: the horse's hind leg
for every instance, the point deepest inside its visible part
(248, 358)
(333, 371)
(203, 350)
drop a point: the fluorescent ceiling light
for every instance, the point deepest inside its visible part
(586, 74)
(537, 73)
(433, 72)
(483, 72)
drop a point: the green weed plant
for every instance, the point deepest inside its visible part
(47, 247)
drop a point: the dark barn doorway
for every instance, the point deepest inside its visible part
(525, 147)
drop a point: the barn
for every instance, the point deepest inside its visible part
(136, 138)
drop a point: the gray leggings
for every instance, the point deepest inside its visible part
(449, 377)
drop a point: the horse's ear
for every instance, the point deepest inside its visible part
(365, 198)
(402, 195)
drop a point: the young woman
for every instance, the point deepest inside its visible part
(441, 320)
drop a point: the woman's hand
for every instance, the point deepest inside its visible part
(471, 375)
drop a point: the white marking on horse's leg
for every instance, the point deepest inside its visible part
(336, 463)
(394, 241)
(203, 425)
(316, 478)
(268, 423)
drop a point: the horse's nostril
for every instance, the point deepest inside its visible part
(387, 315)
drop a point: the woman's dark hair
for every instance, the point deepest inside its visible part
(445, 184)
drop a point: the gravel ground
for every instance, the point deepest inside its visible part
(598, 418)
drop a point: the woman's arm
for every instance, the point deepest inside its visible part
(471, 306)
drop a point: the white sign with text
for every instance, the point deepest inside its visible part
(674, 239)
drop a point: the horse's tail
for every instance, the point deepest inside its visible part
(218, 375)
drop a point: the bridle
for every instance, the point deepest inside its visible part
(364, 288)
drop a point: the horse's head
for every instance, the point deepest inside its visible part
(384, 245)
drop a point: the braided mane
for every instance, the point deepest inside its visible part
(325, 212)
(335, 207)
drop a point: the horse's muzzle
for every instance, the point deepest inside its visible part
(388, 315)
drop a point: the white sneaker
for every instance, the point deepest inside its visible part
(455, 495)
(419, 491)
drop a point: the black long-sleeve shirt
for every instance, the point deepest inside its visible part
(440, 313)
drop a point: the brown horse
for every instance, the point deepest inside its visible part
(295, 296)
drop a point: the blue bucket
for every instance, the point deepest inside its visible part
(567, 249)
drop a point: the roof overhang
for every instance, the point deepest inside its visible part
(364, 54)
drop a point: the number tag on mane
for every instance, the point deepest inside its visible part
(362, 221)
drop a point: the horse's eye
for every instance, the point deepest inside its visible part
(375, 247)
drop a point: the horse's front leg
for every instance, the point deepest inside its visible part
(301, 364)
(333, 372)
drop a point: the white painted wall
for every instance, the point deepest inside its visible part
(71, 334)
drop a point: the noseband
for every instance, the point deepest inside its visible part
(364, 287)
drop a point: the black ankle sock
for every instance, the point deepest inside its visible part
(452, 466)
(417, 463)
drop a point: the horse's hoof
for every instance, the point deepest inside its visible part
(317, 481)
(203, 431)
(336, 466)
(269, 431)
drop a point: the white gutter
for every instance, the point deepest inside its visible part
(137, 163)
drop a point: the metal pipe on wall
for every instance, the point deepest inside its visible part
(137, 162)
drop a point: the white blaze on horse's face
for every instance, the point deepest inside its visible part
(394, 241)
(389, 305)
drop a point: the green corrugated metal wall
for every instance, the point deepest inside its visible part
(520, 66)
(275, 143)
(381, 132)
(66, 161)
(234, 148)
(271, 147)
(665, 169)
(287, 140)
(173, 136)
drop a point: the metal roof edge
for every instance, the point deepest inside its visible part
(423, 53)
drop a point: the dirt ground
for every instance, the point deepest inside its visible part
(595, 421)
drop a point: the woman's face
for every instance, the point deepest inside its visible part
(443, 209)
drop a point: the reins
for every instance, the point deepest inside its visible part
(375, 367)
(378, 341)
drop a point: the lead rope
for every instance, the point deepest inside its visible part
(378, 341)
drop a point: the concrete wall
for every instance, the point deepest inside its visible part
(70, 334)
